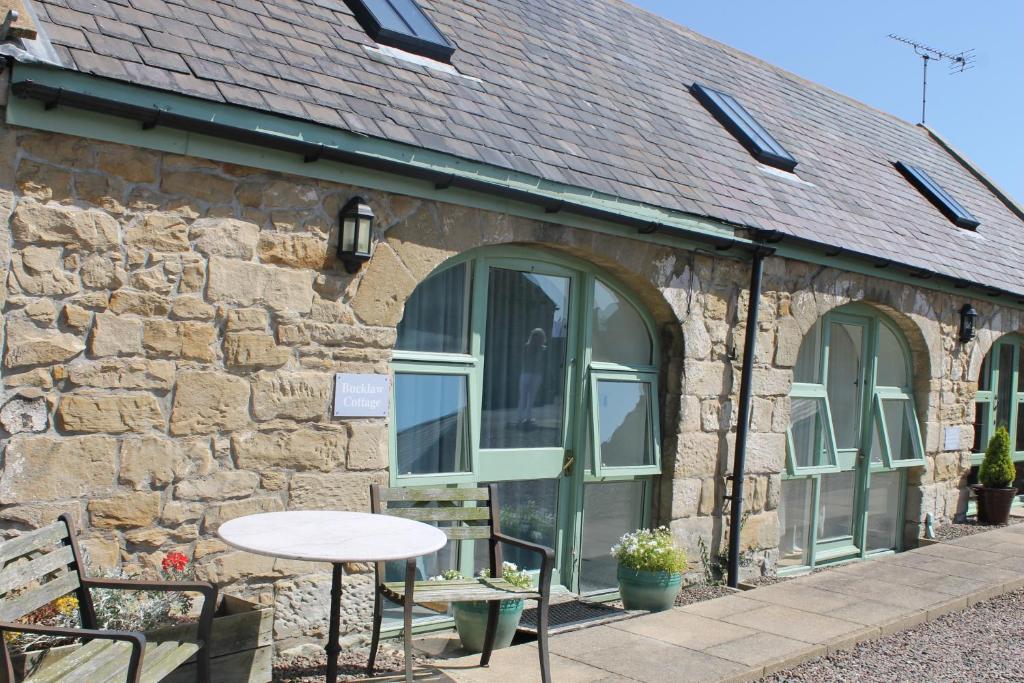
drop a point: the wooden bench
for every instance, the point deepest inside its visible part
(41, 566)
(469, 514)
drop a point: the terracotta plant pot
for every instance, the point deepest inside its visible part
(994, 504)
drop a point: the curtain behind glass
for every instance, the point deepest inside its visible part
(436, 315)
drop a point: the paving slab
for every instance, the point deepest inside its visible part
(745, 636)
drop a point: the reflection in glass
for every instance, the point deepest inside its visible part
(883, 510)
(981, 415)
(1019, 445)
(836, 506)
(846, 345)
(427, 566)
(524, 360)
(1004, 392)
(807, 427)
(876, 442)
(437, 314)
(431, 424)
(985, 377)
(899, 423)
(619, 333)
(528, 511)
(892, 366)
(609, 511)
(795, 522)
(624, 423)
(806, 370)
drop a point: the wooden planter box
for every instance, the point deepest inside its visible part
(242, 646)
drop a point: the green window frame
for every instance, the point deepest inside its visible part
(824, 438)
(653, 465)
(887, 395)
(995, 387)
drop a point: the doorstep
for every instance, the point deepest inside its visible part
(745, 636)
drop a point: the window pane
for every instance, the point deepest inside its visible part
(876, 442)
(808, 359)
(981, 415)
(883, 510)
(437, 315)
(900, 424)
(835, 506)
(619, 334)
(524, 360)
(845, 354)
(795, 520)
(528, 512)
(1019, 445)
(1004, 392)
(432, 424)
(892, 366)
(609, 511)
(985, 376)
(624, 423)
(810, 441)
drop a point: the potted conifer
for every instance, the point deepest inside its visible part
(995, 490)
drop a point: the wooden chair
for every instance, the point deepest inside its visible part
(479, 521)
(52, 567)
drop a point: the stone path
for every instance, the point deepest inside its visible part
(746, 636)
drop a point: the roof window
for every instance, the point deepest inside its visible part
(744, 127)
(950, 207)
(402, 24)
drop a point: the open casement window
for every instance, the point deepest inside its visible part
(1000, 397)
(624, 424)
(896, 435)
(810, 441)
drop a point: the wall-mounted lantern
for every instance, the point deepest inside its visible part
(355, 244)
(968, 318)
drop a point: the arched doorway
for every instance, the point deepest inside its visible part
(853, 432)
(537, 372)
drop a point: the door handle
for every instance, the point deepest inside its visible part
(568, 463)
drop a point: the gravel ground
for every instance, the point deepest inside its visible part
(351, 666)
(968, 527)
(979, 644)
(692, 594)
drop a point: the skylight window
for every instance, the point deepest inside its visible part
(744, 127)
(402, 24)
(951, 208)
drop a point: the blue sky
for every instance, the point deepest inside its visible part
(843, 45)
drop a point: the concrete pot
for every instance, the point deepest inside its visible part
(650, 591)
(471, 623)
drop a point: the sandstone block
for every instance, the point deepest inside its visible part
(685, 497)
(698, 454)
(112, 413)
(209, 546)
(176, 513)
(185, 340)
(158, 461)
(139, 303)
(295, 250)
(333, 491)
(760, 531)
(204, 187)
(254, 349)
(250, 284)
(30, 345)
(127, 373)
(42, 181)
(102, 272)
(65, 226)
(159, 232)
(207, 402)
(40, 468)
(39, 271)
(39, 378)
(38, 515)
(114, 335)
(192, 308)
(228, 237)
(380, 299)
(126, 510)
(76, 318)
(101, 553)
(193, 275)
(128, 163)
(150, 538)
(305, 449)
(234, 566)
(222, 485)
(291, 395)
(241, 319)
(219, 513)
(367, 446)
(42, 311)
(25, 415)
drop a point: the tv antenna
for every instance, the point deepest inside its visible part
(958, 63)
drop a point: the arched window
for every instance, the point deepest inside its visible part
(1000, 398)
(539, 373)
(853, 428)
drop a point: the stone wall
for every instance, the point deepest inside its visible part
(172, 327)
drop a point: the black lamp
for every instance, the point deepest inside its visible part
(968, 318)
(355, 242)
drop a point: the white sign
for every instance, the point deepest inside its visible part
(360, 395)
(951, 436)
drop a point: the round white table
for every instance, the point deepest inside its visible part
(335, 537)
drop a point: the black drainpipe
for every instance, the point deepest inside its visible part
(743, 419)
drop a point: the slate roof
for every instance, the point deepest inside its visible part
(593, 94)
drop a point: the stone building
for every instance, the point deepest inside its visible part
(565, 231)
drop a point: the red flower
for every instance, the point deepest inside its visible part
(174, 560)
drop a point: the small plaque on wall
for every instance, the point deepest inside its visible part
(360, 395)
(951, 439)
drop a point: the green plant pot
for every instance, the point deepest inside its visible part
(471, 623)
(651, 591)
